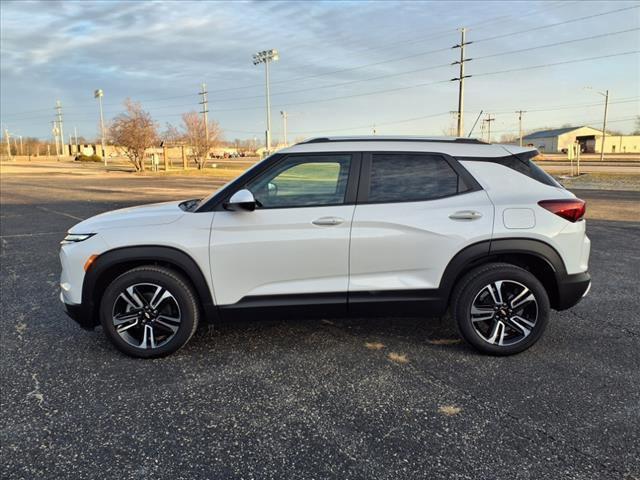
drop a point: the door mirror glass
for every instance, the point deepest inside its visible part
(241, 200)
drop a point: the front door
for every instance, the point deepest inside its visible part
(294, 248)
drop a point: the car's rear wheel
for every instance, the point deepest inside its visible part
(149, 312)
(500, 309)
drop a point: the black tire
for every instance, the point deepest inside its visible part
(478, 285)
(160, 323)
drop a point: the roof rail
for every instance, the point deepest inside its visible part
(394, 139)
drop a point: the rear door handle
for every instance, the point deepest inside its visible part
(465, 215)
(328, 221)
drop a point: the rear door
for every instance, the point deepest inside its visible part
(415, 211)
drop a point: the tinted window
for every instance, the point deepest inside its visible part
(300, 181)
(522, 163)
(405, 178)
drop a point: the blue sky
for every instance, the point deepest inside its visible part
(335, 56)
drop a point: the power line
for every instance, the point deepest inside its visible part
(550, 25)
(555, 44)
(566, 62)
(432, 67)
(431, 51)
(474, 26)
(573, 20)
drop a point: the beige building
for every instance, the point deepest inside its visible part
(558, 140)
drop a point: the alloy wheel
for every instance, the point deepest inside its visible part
(146, 315)
(504, 312)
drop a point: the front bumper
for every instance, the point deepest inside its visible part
(572, 289)
(78, 313)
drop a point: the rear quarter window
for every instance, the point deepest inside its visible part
(522, 163)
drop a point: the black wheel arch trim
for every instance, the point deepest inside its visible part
(481, 252)
(136, 256)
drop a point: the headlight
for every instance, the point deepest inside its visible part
(76, 237)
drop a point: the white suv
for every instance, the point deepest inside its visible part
(337, 226)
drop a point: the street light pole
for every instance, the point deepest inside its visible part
(520, 112)
(8, 138)
(267, 56)
(605, 94)
(99, 94)
(604, 122)
(285, 115)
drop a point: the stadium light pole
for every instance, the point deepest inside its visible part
(266, 57)
(99, 94)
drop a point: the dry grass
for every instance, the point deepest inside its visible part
(374, 345)
(445, 341)
(398, 357)
(449, 410)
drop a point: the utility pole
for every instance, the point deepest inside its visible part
(75, 132)
(285, 115)
(488, 120)
(604, 122)
(204, 112)
(61, 130)
(99, 94)
(520, 112)
(460, 80)
(54, 132)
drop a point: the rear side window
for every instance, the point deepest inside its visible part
(522, 163)
(407, 177)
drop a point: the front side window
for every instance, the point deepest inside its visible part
(409, 177)
(303, 181)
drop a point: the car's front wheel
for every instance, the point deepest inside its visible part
(149, 311)
(500, 309)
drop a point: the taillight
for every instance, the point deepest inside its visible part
(570, 209)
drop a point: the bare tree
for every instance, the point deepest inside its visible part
(509, 138)
(196, 136)
(171, 134)
(133, 132)
(637, 129)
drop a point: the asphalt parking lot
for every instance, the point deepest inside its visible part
(307, 399)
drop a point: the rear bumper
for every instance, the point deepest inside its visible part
(572, 289)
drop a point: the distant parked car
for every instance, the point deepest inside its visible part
(341, 226)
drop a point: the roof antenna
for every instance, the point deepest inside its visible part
(475, 123)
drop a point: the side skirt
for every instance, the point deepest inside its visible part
(392, 303)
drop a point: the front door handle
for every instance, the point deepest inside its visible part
(465, 215)
(328, 221)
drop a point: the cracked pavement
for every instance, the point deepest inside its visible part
(359, 398)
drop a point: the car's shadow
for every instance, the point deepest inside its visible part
(417, 331)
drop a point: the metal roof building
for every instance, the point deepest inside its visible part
(558, 140)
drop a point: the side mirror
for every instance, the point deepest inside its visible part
(241, 200)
